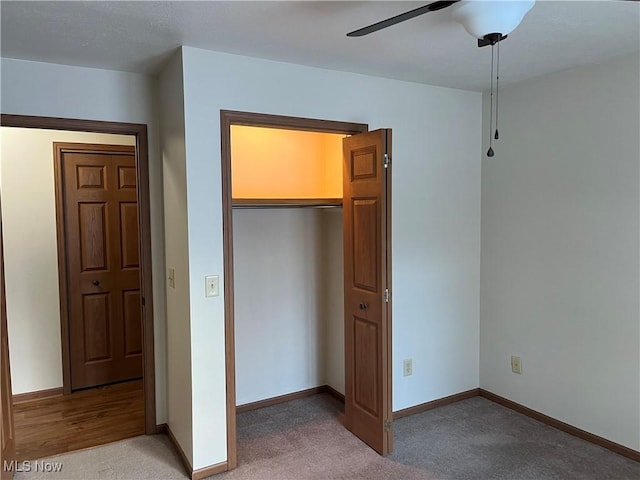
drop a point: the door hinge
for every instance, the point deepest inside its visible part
(386, 160)
(387, 425)
(142, 301)
(386, 295)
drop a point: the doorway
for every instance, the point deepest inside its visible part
(146, 387)
(288, 264)
(368, 389)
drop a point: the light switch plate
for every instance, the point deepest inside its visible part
(407, 367)
(211, 286)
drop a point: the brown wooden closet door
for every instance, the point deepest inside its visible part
(367, 269)
(103, 277)
(8, 434)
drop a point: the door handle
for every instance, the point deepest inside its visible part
(363, 306)
(96, 283)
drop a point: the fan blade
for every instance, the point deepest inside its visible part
(432, 7)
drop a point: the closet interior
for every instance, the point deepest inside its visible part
(288, 261)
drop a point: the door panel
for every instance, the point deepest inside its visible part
(363, 164)
(100, 217)
(126, 177)
(366, 360)
(366, 258)
(95, 328)
(8, 446)
(90, 176)
(129, 234)
(367, 263)
(93, 236)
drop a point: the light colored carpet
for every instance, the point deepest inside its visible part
(145, 457)
(302, 439)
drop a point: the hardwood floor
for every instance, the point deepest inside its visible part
(83, 419)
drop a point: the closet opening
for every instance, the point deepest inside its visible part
(287, 311)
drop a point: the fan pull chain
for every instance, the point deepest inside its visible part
(490, 151)
(497, 136)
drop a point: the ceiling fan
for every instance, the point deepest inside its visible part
(489, 21)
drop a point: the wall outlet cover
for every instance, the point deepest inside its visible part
(516, 364)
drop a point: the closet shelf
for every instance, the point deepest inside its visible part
(285, 202)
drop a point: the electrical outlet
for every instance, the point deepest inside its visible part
(516, 364)
(407, 367)
(172, 278)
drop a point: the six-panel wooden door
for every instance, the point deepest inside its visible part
(100, 215)
(367, 275)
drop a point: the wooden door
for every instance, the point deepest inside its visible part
(367, 283)
(8, 435)
(100, 230)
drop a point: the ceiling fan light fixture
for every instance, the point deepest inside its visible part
(483, 17)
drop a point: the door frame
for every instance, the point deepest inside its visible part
(227, 119)
(59, 149)
(144, 230)
(8, 446)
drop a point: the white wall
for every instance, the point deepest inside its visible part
(179, 381)
(44, 89)
(280, 307)
(31, 255)
(436, 217)
(560, 249)
(332, 291)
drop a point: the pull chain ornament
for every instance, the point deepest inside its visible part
(490, 151)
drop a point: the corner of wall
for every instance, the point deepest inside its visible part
(560, 246)
(170, 89)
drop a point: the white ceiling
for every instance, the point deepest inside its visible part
(433, 49)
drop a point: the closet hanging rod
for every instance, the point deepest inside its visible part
(286, 203)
